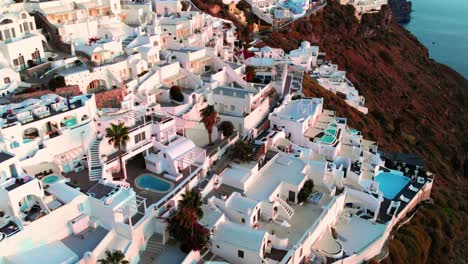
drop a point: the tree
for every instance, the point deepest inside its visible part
(242, 152)
(176, 94)
(118, 136)
(57, 82)
(114, 257)
(192, 199)
(305, 191)
(184, 226)
(227, 128)
(209, 118)
(249, 73)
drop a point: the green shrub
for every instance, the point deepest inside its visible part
(227, 128)
(386, 57)
(305, 191)
(176, 94)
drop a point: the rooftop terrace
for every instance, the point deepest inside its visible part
(297, 110)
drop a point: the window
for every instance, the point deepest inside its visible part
(6, 80)
(1, 36)
(243, 220)
(240, 253)
(81, 207)
(140, 137)
(217, 246)
(233, 107)
(16, 62)
(13, 33)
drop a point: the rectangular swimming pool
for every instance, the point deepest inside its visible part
(391, 183)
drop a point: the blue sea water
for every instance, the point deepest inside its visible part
(442, 26)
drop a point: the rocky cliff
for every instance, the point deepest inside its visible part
(416, 105)
(401, 10)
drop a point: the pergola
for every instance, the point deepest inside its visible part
(188, 158)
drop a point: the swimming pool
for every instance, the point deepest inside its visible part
(152, 183)
(296, 6)
(50, 179)
(327, 139)
(391, 183)
(70, 122)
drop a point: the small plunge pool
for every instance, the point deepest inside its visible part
(152, 183)
(51, 179)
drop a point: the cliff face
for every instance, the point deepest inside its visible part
(401, 10)
(415, 106)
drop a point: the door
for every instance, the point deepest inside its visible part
(13, 171)
(21, 61)
(292, 196)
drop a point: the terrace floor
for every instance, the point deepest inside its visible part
(156, 252)
(356, 234)
(135, 167)
(304, 217)
(223, 191)
(407, 169)
(85, 242)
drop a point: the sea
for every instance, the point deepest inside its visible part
(442, 26)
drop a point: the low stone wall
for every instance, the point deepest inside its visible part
(109, 98)
(71, 90)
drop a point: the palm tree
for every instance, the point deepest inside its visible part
(114, 257)
(192, 199)
(209, 118)
(118, 137)
(184, 226)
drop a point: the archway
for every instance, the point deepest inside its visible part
(96, 85)
(29, 134)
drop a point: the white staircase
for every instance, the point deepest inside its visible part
(288, 209)
(156, 249)
(128, 40)
(95, 168)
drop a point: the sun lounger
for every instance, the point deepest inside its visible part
(413, 189)
(421, 180)
(404, 199)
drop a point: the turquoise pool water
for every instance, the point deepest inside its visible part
(296, 6)
(391, 183)
(50, 179)
(152, 183)
(27, 140)
(70, 122)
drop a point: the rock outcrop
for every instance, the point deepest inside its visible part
(401, 10)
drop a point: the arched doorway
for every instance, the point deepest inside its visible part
(29, 134)
(96, 85)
